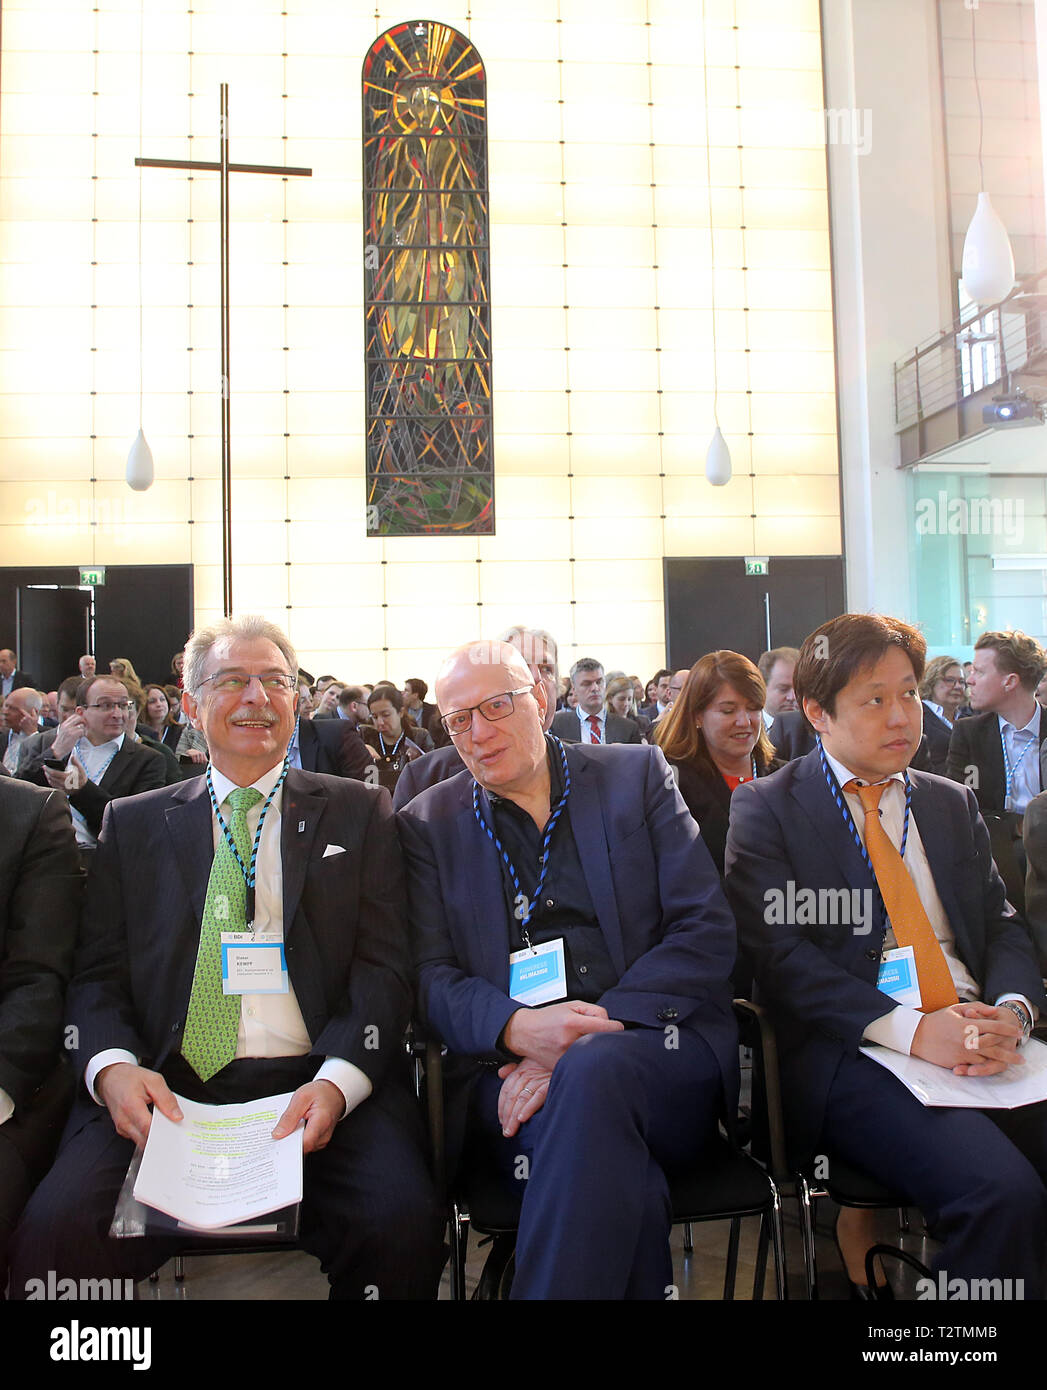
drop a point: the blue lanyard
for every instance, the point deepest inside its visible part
(550, 826)
(104, 770)
(248, 871)
(1010, 771)
(396, 746)
(845, 811)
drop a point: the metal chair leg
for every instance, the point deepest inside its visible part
(903, 1219)
(781, 1279)
(760, 1272)
(688, 1238)
(459, 1234)
(807, 1231)
(732, 1259)
(179, 1269)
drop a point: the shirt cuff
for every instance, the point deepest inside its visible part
(895, 1030)
(354, 1084)
(7, 1106)
(1020, 999)
(105, 1059)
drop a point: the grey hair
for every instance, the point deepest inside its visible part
(585, 663)
(250, 627)
(516, 635)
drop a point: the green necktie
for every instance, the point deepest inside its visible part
(211, 1025)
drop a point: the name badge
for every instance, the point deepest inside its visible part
(898, 977)
(538, 975)
(252, 967)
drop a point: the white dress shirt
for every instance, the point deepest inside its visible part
(587, 729)
(897, 1028)
(95, 759)
(13, 751)
(1021, 745)
(939, 711)
(271, 1025)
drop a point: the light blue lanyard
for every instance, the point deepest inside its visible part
(105, 768)
(1008, 800)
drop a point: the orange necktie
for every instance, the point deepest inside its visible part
(912, 926)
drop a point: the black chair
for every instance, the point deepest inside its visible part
(846, 1185)
(726, 1185)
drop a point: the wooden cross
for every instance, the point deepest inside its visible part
(223, 167)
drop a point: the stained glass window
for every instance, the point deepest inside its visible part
(427, 285)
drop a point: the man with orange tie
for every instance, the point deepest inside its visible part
(914, 947)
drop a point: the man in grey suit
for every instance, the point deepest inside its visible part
(590, 721)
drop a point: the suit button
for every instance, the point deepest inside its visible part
(583, 970)
(667, 1015)
(549, 902)
(872, 955)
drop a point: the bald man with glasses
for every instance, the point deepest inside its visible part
(572, 946)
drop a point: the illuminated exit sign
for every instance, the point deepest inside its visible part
(757, 564)
(92, 578)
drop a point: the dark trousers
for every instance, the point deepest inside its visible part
(369, 1212)
(28, 1141)
(976, 1175)
(622, 1110)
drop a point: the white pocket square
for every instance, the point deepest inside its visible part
(333, 849)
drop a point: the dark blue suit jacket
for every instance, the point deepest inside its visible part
(343, 924)
(819, 980)
(655, 889)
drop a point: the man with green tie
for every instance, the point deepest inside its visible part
(306, 868)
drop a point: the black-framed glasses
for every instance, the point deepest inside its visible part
(460, 721)
(107, 706)
(236, 682)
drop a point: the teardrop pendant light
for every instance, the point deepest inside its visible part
(987, 269)
(988, 261)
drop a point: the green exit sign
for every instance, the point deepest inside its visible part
(92, 577)
(757, 564)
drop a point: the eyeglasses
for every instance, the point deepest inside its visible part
(460, 721)
(236, 682)
(107, 706)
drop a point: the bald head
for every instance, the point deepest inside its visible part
(504, 745)
(22, 711)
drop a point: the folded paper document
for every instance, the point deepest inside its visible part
(220, 1165)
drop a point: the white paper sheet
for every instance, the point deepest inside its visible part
(220, 1164)
(933, 1085)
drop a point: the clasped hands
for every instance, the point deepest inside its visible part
(973, 1039)
(128, 1091)
(541, 1037)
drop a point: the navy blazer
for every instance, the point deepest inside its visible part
(655, 889)
(819, 980)
(343, 922)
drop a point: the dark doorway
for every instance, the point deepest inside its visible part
(54, 630)
(711, 604)
(142, 612)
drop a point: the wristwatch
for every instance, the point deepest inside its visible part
(1021, 1013)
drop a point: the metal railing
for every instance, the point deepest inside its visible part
(982, 348)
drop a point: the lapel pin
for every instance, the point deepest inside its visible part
(301, 826)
